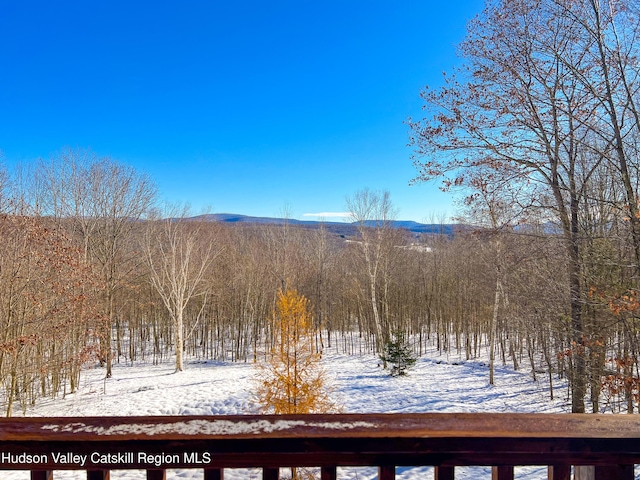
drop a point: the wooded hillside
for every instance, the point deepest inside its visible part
(89, 272)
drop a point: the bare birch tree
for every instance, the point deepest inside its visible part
(373, 212)
(179, 255)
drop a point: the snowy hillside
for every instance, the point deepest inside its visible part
(437, 383)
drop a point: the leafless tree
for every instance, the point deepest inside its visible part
(373, 212)
(179, 255)
(517, 112)
(104, 200)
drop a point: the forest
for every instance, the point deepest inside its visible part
(537, 131)
(90, 272)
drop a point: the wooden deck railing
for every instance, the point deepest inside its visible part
(99, 444)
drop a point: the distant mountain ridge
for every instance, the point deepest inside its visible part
(342, 228)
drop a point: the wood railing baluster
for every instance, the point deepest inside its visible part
(214, 474)
(156, 474)
(444, 473)
(503, 472)
(386, 472)
(42, 475)
(270, 473)
(328, 473)
(559, 472)
(98, 475)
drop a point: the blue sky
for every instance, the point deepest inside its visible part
(245, 107)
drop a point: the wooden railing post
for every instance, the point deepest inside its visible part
(502, 473)
(559, 472)
(214, 474)
(444, 473)
(42, 475)
(270, 473)
(328, 473)
(386, 472)
(98, 475)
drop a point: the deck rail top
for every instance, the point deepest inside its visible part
(416, 425)
(442, 440)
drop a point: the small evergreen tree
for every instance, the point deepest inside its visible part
(398, 353)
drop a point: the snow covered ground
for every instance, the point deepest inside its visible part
(438, 383)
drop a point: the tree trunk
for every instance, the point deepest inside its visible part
(578, 377)
(179, 334)
(493, 327)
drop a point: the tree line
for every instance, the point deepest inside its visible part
(92, 272)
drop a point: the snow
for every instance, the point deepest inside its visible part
(438, 383)
(203, 427)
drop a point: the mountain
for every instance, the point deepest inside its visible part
(340, 228)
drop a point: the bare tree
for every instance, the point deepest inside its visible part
(609, 76)
(517, 112)
(179, 254)
(104, 200)
(491, 209)
(373, 212)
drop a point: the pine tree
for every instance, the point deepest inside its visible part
(398, 353)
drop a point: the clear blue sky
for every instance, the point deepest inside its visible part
(243, 106)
